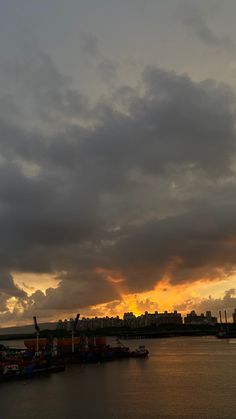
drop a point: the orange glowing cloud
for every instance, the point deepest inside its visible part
(164, 296)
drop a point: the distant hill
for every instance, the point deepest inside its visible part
(26, 329)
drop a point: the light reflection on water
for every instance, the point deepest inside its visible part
(183, 378)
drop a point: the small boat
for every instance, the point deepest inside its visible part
(13, 372)
(17, 364)
(141, 352)
(226, 334)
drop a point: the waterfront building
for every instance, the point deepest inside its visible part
(129, 319)
(156, 319)
(194, 318)
(169, 318)
(62, 324)
(99, 323)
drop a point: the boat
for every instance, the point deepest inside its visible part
(82, 349)
(226, 334)
(17, 364)
(63, 344)
(141, 352)
(12, 372)
(94, 354)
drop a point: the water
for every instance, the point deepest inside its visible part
(183, 378)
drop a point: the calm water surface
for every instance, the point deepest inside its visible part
(183, 378)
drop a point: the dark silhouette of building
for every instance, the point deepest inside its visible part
(194, 318)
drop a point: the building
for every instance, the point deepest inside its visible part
(169, 318)
(129, 320)
(99, 323)
(194, 318)
(61, 324)
(152, 319)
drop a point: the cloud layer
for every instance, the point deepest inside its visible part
(139, 187)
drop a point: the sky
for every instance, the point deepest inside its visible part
(117, 157)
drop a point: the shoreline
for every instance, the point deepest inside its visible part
(127, 333)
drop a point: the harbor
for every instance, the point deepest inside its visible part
(47, 352)
(27, 363)
(181, 378)
(42, 356)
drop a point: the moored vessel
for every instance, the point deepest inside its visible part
(141, 352)
(24, 364)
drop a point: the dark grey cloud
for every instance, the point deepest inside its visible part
(136, 189)
(107, 70)
(199, 244)
(90, 44)
(197, 24)
(3, 303)
(8, 287)
(36, 90)
(227, 302)
(105, 67)
(73, 292)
